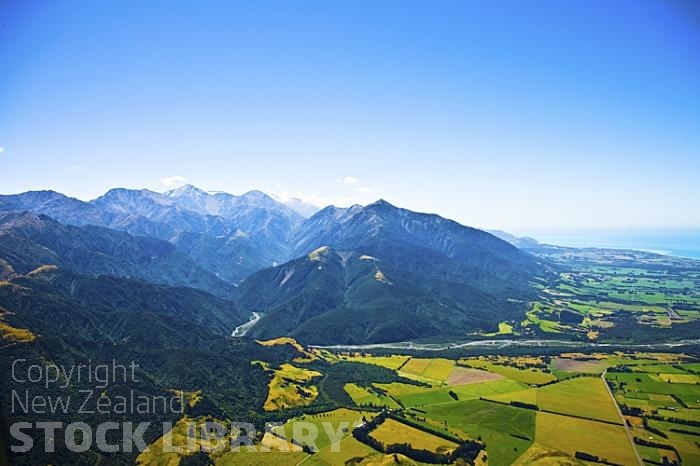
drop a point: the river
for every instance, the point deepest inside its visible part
(244, 328)
(496, 344)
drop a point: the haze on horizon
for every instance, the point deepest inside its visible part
(545, 116)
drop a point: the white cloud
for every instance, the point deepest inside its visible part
(347, 180)
(2, 149)
(284, 196)
(363, 189)
(74, 168)
(172, 181)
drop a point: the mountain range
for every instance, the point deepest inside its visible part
(376, 273)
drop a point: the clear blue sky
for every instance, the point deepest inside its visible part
(524, 115)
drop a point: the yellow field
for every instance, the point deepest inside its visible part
(178, 437)
(157, 457)
(271, 458)
(286, 389)
(391, 431)
(537, 455)
(416, 366)
(349, 448)
(570, 435)
(439, 369)
(504, 328)
(353, 452)
(281, 453)
(676, 378)
(281, 341)
(390, 362)
(18, 335)
(304, 356)
(428, 369)
(333, 419)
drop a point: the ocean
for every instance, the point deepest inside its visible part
(675, 243)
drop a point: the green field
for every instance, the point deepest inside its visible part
(411, 395)
(365, 396)
(608, 295)
(507, 431)
(675, 378)
(659, 369)
(668, 391)
(524, 396)
(473, 398)
(585, 397)
(686, 444)
(649, 383)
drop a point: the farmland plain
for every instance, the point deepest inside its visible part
(524, 409)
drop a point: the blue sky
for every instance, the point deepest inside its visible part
(526, 116)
